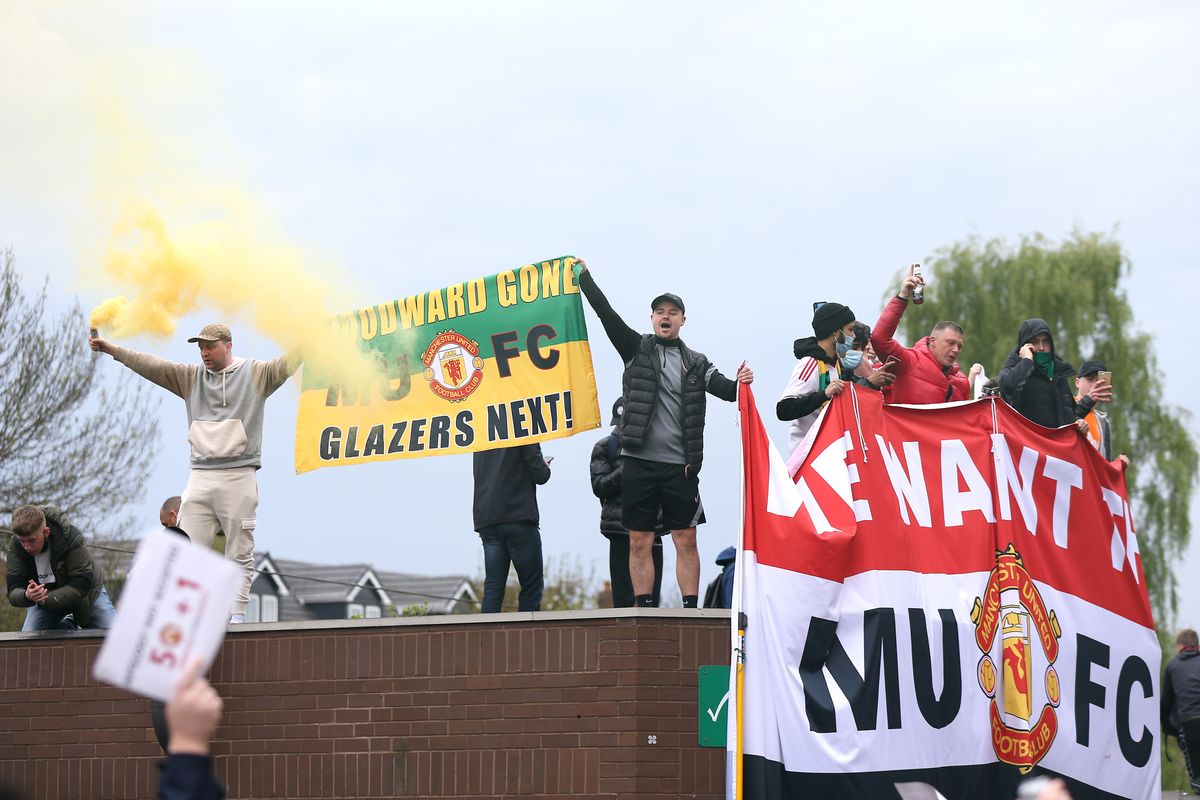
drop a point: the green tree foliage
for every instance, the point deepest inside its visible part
(416, 610)
(990, 286)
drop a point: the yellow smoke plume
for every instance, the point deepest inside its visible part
(233, 267)
(167, 284)
(188, 240)
(124, 140)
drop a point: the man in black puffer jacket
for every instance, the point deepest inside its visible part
(1037, 382)
(607, 478)
(661, 434)
(1181, 701)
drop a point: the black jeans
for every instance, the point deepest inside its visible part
(1189, 743)
(519, 544)
(618, 570)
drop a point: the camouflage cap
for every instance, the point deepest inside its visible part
(213, 332)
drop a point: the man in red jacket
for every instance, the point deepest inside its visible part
(928, 371)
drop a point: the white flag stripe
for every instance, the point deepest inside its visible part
(778, 729)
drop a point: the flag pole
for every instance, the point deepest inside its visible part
(739, 623)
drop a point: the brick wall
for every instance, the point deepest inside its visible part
(542, 705)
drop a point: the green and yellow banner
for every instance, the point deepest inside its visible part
(492, 362)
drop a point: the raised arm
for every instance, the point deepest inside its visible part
(176, 378)
(270, 375)
(192, 718)
(624, 338)
(884, 331)
(1013, 377)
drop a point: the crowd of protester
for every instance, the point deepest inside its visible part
(645, 472)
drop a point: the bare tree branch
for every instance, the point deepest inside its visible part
(66, 437)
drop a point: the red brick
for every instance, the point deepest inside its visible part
(560, 708)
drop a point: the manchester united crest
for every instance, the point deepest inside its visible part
(453, 366)
(170, 634)
(1011, 610)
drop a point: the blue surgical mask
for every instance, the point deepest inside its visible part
(845, 343)
(852, 358)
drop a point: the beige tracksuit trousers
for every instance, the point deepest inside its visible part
(224, 500)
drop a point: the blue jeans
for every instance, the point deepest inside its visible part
(42, 619)
(519, 544)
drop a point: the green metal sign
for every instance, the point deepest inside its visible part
(713, 691)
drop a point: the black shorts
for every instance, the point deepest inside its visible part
(650, 486)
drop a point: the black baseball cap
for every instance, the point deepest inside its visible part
(618, 411)
(1091, 368)
(670, 298)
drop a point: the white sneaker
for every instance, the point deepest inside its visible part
(237, 619)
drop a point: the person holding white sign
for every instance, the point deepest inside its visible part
(51, 572)
(225, 397)
(192, 718)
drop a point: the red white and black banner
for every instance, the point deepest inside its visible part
(944, 594)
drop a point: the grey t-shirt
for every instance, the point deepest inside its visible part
(664, 435)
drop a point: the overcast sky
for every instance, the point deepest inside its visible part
(751, 158)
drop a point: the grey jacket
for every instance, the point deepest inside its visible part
(224, 409)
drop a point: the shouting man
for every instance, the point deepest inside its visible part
(661, 435)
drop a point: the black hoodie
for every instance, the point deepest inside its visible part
(1027, 389)
(790, 408)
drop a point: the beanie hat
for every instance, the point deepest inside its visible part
(830, 317)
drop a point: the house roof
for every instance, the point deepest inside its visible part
(320, 583)
(445, 594)
(341, 583)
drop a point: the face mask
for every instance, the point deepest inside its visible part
(845, 343)
(1045, 363)
(852, 358)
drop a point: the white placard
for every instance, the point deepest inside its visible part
(174, 607)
